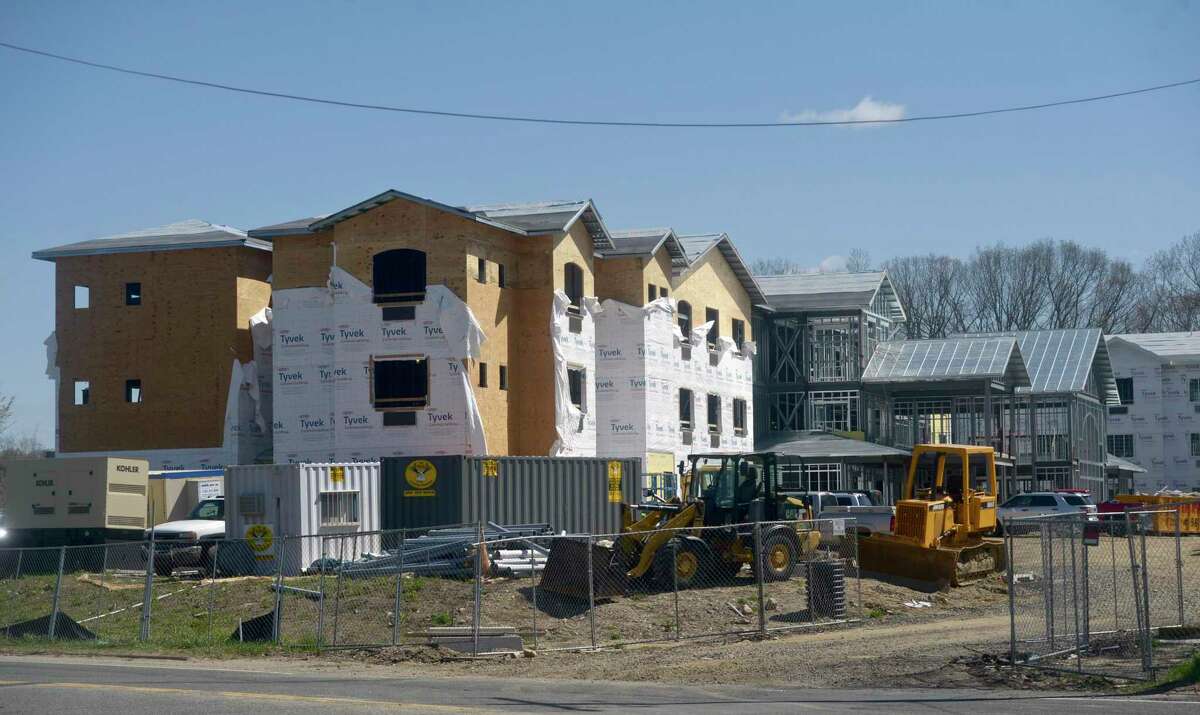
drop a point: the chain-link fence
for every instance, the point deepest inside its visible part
(470, 588)
(1100, 595)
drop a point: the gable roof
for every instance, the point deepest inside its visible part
(831, 291)
(1171, 347)
(528, 219)
(1063, 360)
(696, 246)
(948, 359)
(645, 242)
(192, 233)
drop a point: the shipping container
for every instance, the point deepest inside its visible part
(171, 496)
(74, 500)
(265, 504)
(572, 494)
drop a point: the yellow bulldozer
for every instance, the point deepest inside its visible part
(662, 541)
(940, 528)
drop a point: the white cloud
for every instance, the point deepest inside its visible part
(832, 264)
(867, 110)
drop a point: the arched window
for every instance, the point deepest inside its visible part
(399, 276)
(573, 286)
(684, 316)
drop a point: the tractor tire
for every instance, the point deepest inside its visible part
(678, 563)
(779, 557)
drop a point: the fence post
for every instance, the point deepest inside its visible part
(1137, 594)
(321, 588)
(862, 610)
(479, 547)
(533, 587)
(399, 607)
(591, 592)
(758, 577)
(1012, 597)
(1048, 565)
(280, 550)
(1179, 563)
(1112, 541)
(20, 556)
(1148, 650)
(337, 596)
(1087, 587)
(62, 557)
(212, 585)
(147, 593)
(1075, 598)
(675, 582)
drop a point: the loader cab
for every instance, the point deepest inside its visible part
(734, 488)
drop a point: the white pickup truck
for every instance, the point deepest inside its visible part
(190, 542)
(868, 518)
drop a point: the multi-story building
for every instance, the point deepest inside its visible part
(152, 351)
(1157, 424)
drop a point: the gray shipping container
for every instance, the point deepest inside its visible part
(572, 494)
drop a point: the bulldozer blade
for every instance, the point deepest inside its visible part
(954, 565)
(566, 573)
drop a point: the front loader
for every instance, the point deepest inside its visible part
(939, 530)
(664, 543)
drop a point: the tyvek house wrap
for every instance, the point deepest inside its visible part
(576, 428)
(324, 340)
(245, 437)
(640, 370)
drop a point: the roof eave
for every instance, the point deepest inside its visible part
(52, 254)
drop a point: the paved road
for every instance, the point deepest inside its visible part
(91, 686)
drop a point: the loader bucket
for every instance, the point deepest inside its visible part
(954, 565)
(566, 571)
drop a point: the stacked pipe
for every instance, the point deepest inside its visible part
(451, 553)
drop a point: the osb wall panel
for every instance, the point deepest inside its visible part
(711, 283)
(621, 279)
(493, 307)
(180, 342)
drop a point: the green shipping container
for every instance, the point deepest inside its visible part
(572, 494)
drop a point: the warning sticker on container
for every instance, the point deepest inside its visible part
(261, 540)
(491, 468)
(614, 482)
(337, 475)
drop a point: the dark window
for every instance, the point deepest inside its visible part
(573, 286)
(399, 276)
(501, 276)
(714, 413)
(133, 390)
(686, 401)
(504, 377)
(1121, 445)
(739, 332)
(739, 417)
(399, 383)
(400, 419)
(399, 312)
(712, 315)
(483, 374)
(481, 271)
(651, 293)
(662, 293)
(1194, 390)
(1125, 388)
(83, 391)
(133, 294)
(684, 316)
(576, 382)
(1042, 500)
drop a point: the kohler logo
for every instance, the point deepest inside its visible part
(127, 468)
(609, 353)
(352, 333)
(397, 332)
(297, 339)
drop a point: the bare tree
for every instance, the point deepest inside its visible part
(1173, 277)
(933, 292)
(859, 260)
(6, 412)
(777, 266)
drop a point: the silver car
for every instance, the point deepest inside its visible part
(1047, 504)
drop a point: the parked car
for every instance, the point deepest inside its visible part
(869, 517)
(189, 542)
(1067, 501)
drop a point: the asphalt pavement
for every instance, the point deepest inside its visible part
(91, 685)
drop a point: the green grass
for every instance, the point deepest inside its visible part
(442, 618)
(876, 613)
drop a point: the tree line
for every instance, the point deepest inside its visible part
(1048, 284)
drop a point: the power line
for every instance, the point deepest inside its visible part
(591, 122)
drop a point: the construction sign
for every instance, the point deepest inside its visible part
(421, 475)
(614, 482)
(261, 540)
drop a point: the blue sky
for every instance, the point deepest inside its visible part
(86, 153)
